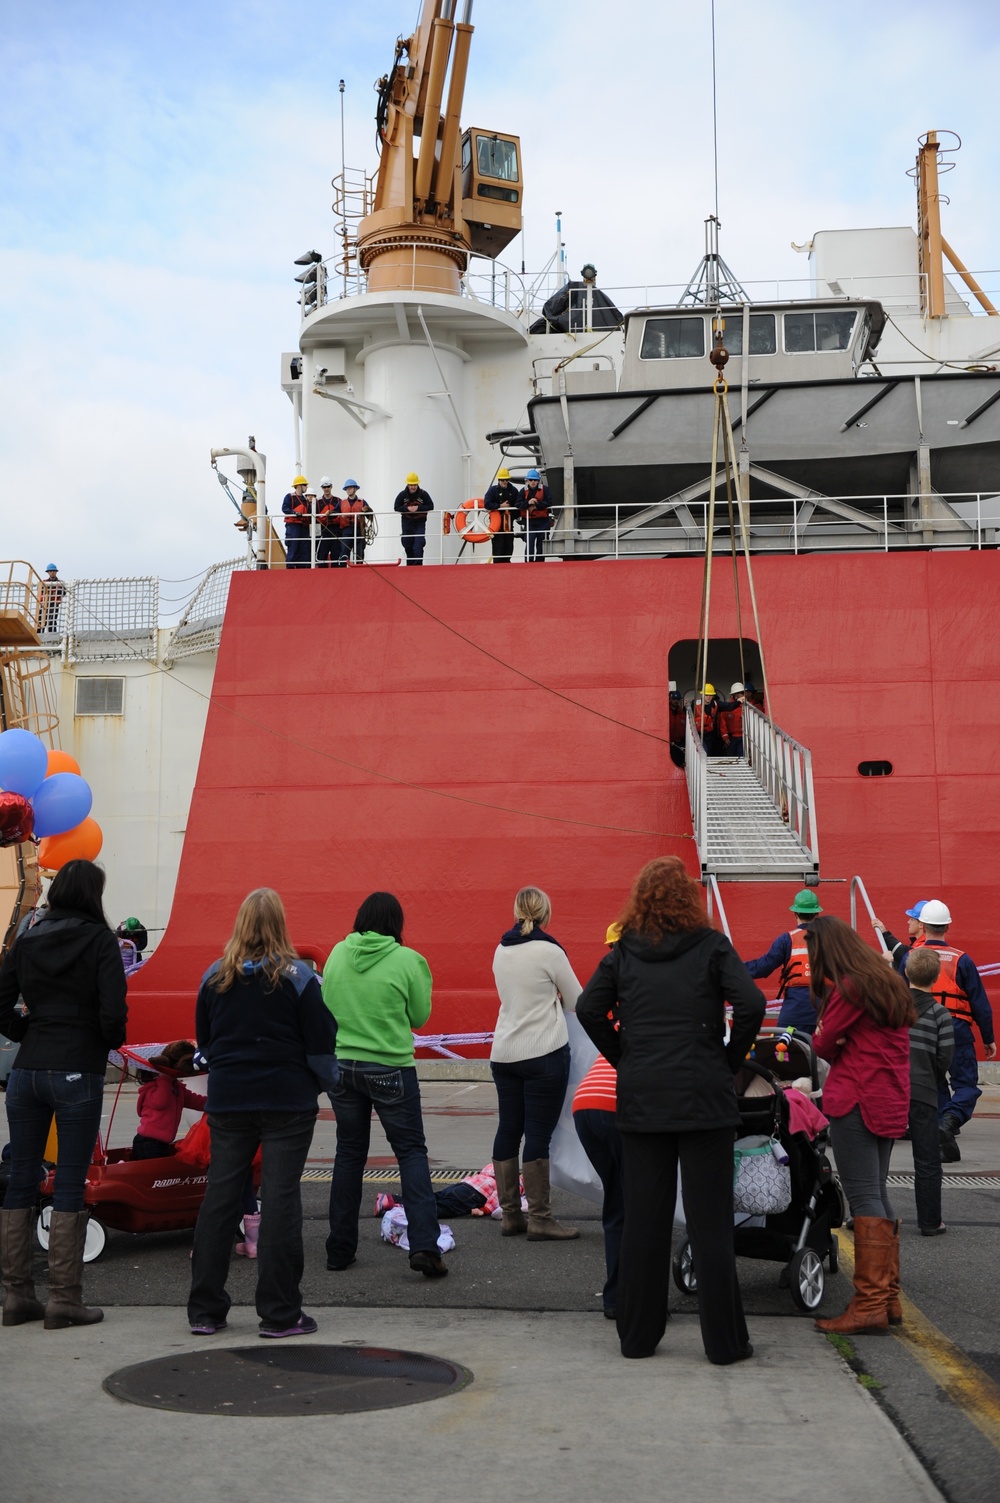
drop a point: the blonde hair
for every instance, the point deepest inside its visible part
(532, 907)
(259, 934)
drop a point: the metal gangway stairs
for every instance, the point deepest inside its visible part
(753, 816)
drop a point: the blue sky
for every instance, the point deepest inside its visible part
(162, 165)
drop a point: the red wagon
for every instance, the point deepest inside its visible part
(126, 1195)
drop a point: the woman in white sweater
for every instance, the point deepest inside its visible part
(530, 1063)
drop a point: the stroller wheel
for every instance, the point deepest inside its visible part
(807, 1278)
(682, 1266)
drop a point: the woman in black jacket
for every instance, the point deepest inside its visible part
(62, 994)
(655, 1007)
(268, 1039)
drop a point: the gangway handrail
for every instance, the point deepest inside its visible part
(783, 768)
(696, 773)
(858, 886)
(714, 903)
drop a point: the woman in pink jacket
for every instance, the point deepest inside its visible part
(865, 1012)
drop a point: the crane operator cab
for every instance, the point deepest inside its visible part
(491, 190)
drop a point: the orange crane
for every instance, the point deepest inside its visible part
(456, 195)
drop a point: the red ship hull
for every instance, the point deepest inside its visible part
(453, 734)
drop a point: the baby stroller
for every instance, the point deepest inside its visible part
(802, 1236)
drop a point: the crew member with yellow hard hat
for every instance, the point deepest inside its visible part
(413, 504)
(706, 719)
(503, 499)
(297, 511)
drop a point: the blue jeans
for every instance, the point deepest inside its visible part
(284, 1139)
(535, 534)
(530, 1095)
(957, 1096)
(34, 1097)
(394, 1093)
(602, 1143)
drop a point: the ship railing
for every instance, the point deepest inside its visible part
(858, 890)
(696, 772)
(807, 523)
(783, 768)
(524, 293)
(875, 523)
(714, 903)
(200, 626)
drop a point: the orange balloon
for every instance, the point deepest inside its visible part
(60, 761)
(82, 843)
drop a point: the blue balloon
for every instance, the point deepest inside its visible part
(24, 762)
(61, 803)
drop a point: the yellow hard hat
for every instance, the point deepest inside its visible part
(503, 474)
(412, 479)
(709, 689)
(299, 480)
(613, 935)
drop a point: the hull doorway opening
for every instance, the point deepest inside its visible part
(730, 661)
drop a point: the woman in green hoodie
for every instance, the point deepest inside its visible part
(379, 992)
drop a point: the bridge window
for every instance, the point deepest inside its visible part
(673, 339)
(763, 338)
(808, 332)
(875, 769)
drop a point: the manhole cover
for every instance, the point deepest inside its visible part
(301, 1380)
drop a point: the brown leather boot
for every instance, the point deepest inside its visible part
(16, 1257)
(893, 1307)
(507, 1173)
(67, 1235)
(542, 1225)
(873, 1252)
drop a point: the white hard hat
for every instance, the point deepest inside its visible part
(325, 481)
(737, 689)
(935, 913)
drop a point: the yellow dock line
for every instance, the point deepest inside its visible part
(974, 1391)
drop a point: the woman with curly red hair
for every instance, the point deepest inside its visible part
(656, 1009)
(865, 1011)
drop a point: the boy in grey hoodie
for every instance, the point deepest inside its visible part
(932, 1044)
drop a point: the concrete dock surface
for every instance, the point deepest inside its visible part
(553, 1410)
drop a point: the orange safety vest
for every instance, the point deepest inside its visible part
(541, 506)
(795, 971)
(946, 989)
(732, 720)
(704, 717)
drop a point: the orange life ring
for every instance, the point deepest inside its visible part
(472, 520)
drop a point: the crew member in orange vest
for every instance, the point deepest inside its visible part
(330, 544)
(353, 537)
(960, 988)
(536, 515)
(706, 717)
(298, 517)
(731, 722)
(790, 953)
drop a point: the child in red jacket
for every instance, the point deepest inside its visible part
(162, 1099)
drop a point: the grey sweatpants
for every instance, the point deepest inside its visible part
(863, 1165)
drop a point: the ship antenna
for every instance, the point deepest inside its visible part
(343, 151)
(715, 118)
